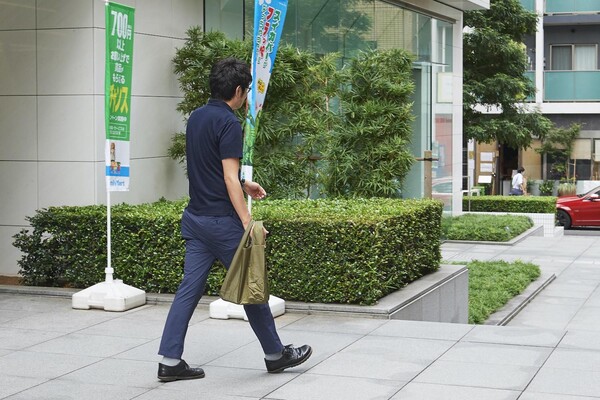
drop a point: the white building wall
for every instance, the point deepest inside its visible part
(52, 107)
(457, 115)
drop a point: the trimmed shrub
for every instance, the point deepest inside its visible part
(514, 204)
(493, 283)
(494, 228)
(342, 251)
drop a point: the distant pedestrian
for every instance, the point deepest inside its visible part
(215, 220)
(518, 183)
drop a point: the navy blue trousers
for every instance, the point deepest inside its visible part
(206, 240)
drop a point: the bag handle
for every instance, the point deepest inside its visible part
(258, 235)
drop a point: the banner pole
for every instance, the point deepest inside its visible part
(113, 294)
(109, 270)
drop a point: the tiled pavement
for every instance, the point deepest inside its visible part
(549, 351)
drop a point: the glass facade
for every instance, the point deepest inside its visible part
(350, 26)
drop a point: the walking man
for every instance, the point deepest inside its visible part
(214, 221)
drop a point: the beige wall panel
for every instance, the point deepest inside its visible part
(153, 68)
(66, 128)
(65, 61)
(17, 63)
(17, 14)
(186, 13)
(154, 17)
(66, 183)
(582, 149)
(64, 13)
(153, 125)
(18, 136)
(532, 162)
(19, 194)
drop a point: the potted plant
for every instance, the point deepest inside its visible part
(567, 188)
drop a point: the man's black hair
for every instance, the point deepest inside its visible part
(226, 75)
(520, 170)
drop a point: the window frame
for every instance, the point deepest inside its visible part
(573, 47)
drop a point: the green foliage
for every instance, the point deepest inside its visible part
(494, 76)
(558, 146)
(193, 62)
(355, 145)
(513, 204)
(493, 228)
(493, 283)
(546, 188)
(353, 251)
(368, 153)
(68, 246)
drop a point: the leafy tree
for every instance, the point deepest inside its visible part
(368, 154)
(494, 76)
(295, 117)
(557, 146)
(344, 132)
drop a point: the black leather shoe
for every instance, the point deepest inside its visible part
(178, 372)
(292, 356)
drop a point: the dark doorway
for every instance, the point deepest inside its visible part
(509, 162)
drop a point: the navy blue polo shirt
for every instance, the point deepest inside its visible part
(213, 134)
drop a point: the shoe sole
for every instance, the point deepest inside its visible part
(179, 378)
(276, 371)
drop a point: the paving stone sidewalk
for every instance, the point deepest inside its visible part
(550, 351)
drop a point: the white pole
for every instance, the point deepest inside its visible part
(109, 270)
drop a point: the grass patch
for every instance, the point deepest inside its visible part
(482, 227)
(493, 283)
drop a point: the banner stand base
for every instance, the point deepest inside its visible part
(221, 309)
(110, 296)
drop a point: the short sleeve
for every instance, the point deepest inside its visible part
(230, 140)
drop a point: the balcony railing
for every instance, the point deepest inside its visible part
(571, 86)
(528, 4)
(570, 6)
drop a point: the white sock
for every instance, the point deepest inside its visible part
(170, 362)
(273, 356)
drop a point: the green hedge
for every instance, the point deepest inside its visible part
(485, 227)
(515, 204)
(332, 251)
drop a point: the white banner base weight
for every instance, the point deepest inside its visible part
(110, 296)
(221, 309)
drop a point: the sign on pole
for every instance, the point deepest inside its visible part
(119, 65)
(113, 294)
(268, 25)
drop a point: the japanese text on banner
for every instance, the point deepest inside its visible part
(119, 65)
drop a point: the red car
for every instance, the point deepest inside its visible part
(580, 210)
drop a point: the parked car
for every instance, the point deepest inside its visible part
(579, 210)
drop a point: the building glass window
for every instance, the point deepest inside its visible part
(226, 16)
(574, 57)
(350, 26)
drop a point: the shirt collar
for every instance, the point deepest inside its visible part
(219, 103)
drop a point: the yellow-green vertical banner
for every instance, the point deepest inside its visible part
(269, 16)
(119, 66)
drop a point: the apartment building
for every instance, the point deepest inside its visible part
(564, 65)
